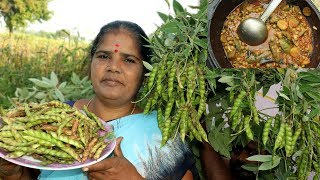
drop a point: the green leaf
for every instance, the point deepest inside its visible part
(226, 79)
(54, 79)
(62, 85)
(170, 27)
(284, 96)
(40, 95)
(39, 83)
(201, 42)
(147, 65)
(270, 164)
(163, 16)
(177, 8)
(75, 79)
(59, 95)
(260, 158)
(250, 167)
(220, 141)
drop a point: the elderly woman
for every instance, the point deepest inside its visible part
(117, 73)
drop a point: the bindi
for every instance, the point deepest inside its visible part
(116, 49)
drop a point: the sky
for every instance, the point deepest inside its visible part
(88, 16)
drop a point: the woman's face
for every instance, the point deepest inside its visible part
(116, 68)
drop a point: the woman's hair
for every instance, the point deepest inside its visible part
(136, 31)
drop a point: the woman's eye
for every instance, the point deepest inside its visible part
(129, 60)
(103, 56)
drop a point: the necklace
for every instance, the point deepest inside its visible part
(134, 106)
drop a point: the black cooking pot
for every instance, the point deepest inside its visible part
(218, 11)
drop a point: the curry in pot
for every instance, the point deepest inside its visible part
(289, 42)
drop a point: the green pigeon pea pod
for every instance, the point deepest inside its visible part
(202, 83)
(164, 95)
(40, 150)
(13, 142)
(276, 124)
(83, 117)
(15, 154)
(183, 126)
(201, 131)
(27, 109)
(193, 130)
(168, 108)
(295, 136)
(55, 111)
(191, 74)
(17, 136)
(95, 148)
(58, 104)
(154, 100)
(288, 140)
(152, 76)
(5, 134)
(236, 119)
(74, 127)
(88, 148)
(86, 132)
(147, 106)
(160, 118)
(161, 73)
(176, 119)
(302, 165)
(48, 127)
(63, 124)
(7, 120)
(316, 166)
(166, 131)
(99, 151)
(93, 117)
(237, 103)
(41, 121)
(247, 127)
(255, 114)
(67, 140)
(39, 141)
(17, 126)
(280, 136)
(49, 138)
(201, 108)
(81, 133)
(171, 80)
(266, 131)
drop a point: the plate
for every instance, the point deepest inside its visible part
(30, 162)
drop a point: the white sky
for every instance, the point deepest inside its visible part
(88, 16)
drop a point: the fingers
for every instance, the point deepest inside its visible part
(117, 149)
(97, 175)
(102, 165)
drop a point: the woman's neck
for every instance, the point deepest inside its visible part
(108, 111)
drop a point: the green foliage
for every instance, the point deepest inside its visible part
(292, 139)
(47, 89)
(18, 13)
(27, 55)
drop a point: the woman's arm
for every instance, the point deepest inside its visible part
(213, 165)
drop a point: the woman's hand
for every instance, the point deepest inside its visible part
(117, 167)
(8, 169)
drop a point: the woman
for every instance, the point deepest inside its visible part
(117, 73)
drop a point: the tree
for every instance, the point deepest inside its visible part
(17, 13)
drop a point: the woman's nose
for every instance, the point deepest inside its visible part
(114, 65)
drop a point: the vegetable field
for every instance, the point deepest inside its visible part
(26, 56)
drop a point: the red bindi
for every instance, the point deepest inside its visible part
(117, 45)
(116, 50)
